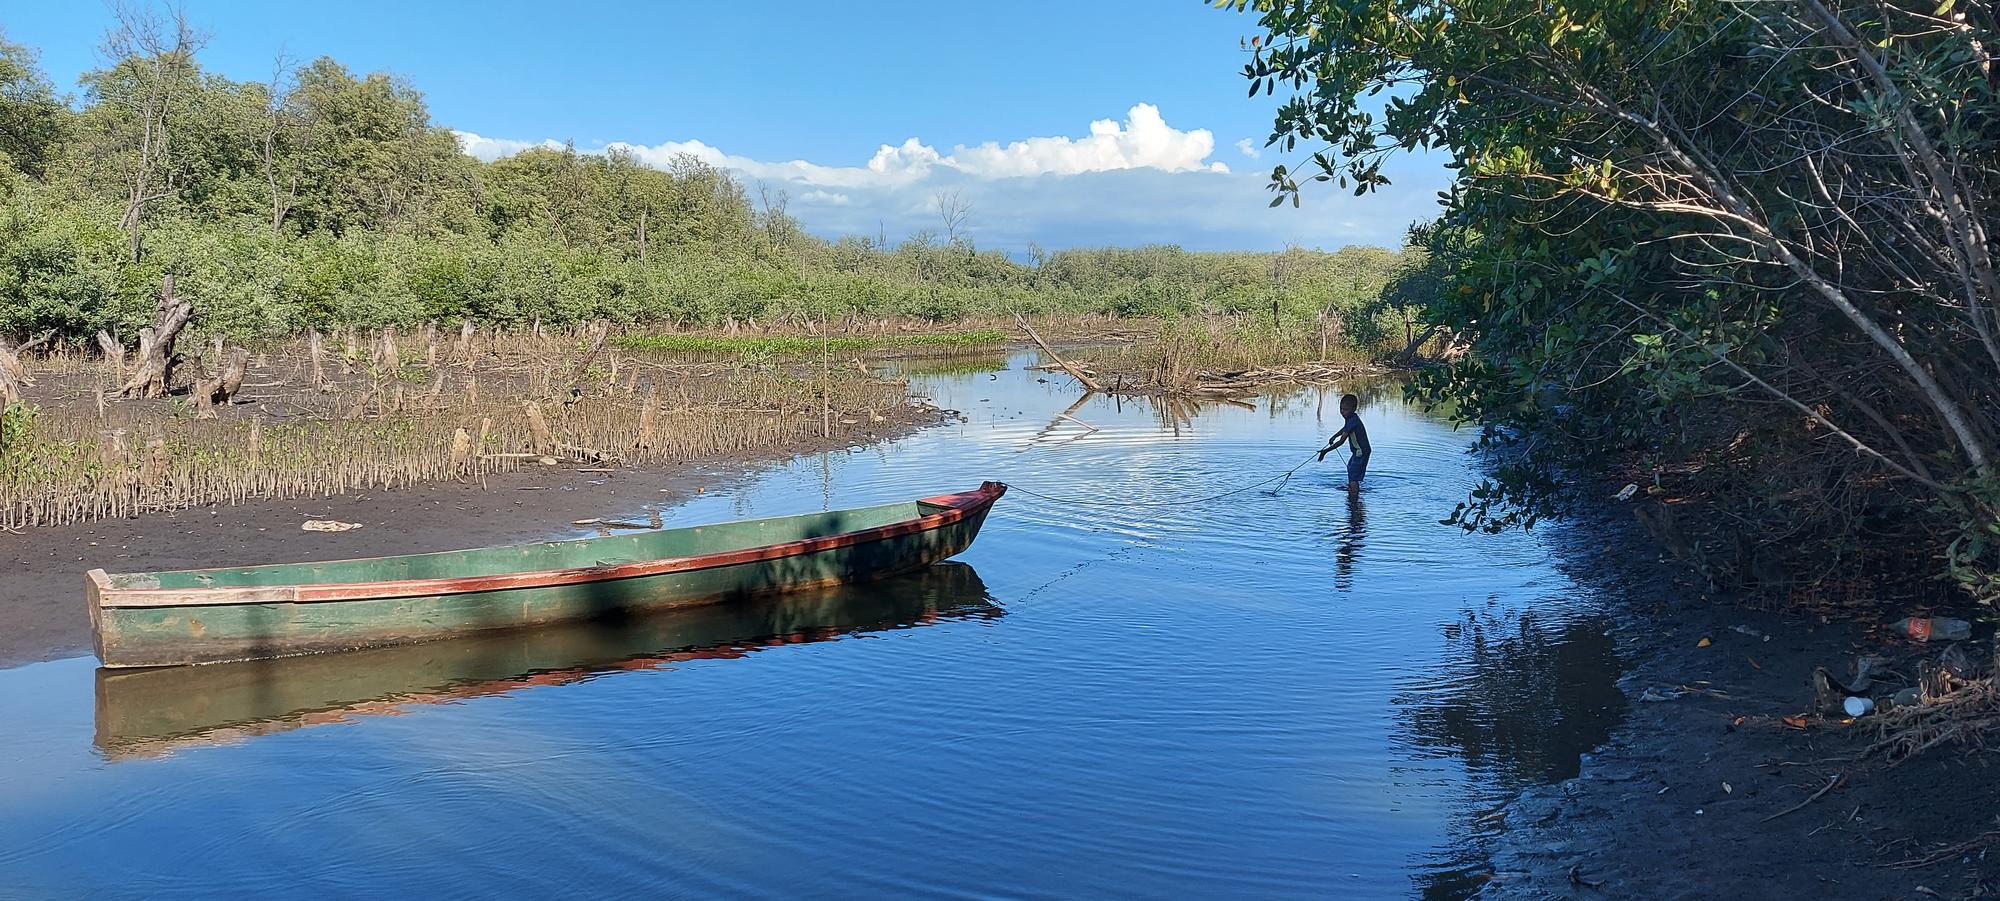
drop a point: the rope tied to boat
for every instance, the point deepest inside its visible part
(1283, 479)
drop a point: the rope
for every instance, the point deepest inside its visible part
(1285, 476)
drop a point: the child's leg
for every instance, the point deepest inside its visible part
(1357, 467)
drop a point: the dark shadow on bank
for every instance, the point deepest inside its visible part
(152, 712)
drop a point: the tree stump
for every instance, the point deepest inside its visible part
(225, 384)
(154, 363)
(13, 373)
(538, 425)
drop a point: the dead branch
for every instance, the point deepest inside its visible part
(1086, 381)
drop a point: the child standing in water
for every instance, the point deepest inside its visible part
(1355, 436)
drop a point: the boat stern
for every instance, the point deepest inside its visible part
(95, 584)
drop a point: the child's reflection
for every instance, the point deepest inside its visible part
(1350, 539)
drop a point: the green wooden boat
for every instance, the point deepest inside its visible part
(248, 613)
(155, 711)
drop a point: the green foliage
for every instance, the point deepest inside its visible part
(1666, 262)
(329, 198)
(17, 427)
(32, 118)
(789, 346)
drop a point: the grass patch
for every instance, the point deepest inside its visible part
(802, 346)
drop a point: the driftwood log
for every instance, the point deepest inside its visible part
(153, 365)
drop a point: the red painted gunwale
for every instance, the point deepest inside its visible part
(956, 508)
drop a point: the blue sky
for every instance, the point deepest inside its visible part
(802, 97)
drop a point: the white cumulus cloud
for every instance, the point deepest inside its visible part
(490, 149)
(1130, 181)
(1143, 141)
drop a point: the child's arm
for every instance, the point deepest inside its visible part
(1339, 438)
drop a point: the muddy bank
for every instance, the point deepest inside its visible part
(41, 570)
(1699, 796)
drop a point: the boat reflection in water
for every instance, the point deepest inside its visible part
(153, 712)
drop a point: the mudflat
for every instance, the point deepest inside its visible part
(1711, 792)
(41, 570)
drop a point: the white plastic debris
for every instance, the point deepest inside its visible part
(328, 525)
(1625, 493)
(1858, 706)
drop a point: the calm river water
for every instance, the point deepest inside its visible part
(1284, 693)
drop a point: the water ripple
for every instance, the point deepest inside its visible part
(1293, 691)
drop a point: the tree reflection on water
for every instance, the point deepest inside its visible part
(1519, 701)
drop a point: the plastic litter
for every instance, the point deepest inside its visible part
(1753, 633)
(1955, 664)
(328, 525)
(1858, 706)
(1925, 628)
(1625, 493)
(1831, 692)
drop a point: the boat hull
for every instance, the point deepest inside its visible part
(153, 711)
(147, 626)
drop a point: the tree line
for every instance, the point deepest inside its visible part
(1743, 251)
(324, 197)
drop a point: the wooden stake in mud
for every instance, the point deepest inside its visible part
(155, 359)
(317, 351)
(111, 451)
(648, 419)
(1089, 384)
(153, 471)
(461, 450)
(114, 351)
(390, 361)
